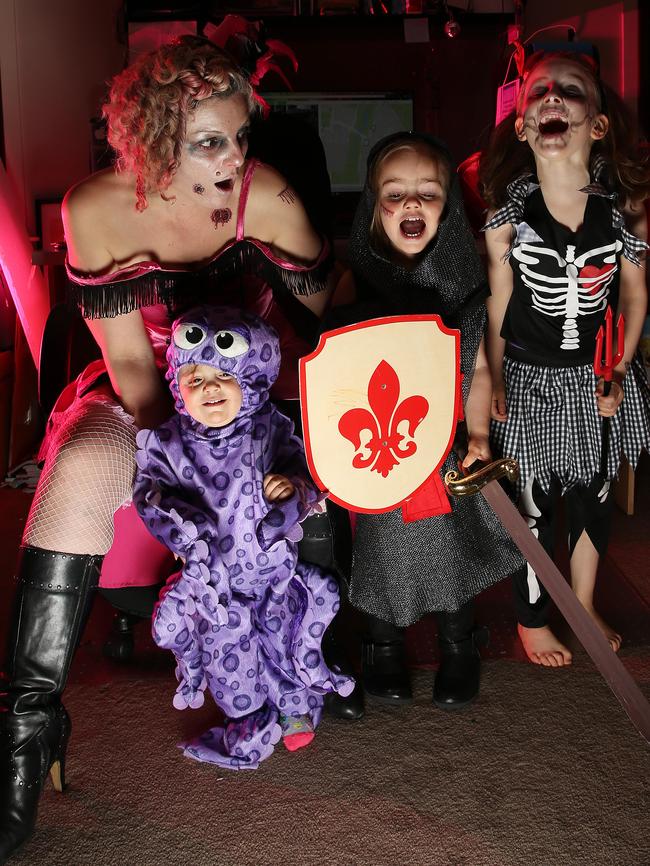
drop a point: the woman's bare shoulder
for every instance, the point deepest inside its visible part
(103, 192)
(267, 180)
(96, 213)
(270, 190)
(276, 215)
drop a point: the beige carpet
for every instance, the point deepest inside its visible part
(544, 770)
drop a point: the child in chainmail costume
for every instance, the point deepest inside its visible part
(411, 251)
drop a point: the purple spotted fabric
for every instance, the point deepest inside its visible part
(243, 618)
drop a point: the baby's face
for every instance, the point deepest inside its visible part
(411, 193)
(211, 397)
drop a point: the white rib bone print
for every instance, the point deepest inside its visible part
(573, 294)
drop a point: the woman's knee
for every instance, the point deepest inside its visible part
(96, 446)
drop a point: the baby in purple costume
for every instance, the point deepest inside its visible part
(224, 485)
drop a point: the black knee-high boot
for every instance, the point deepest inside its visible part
(457, 680)
(52, 605)
(384, 671)
(327, 542)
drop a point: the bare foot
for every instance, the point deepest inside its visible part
(612, 636)
(543, 648)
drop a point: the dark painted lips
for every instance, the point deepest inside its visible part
(553, 126)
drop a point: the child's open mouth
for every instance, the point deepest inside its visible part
(225, 186)
(553, 124)
(214, 402)
(412, 227)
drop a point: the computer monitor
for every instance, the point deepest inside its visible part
(348, 124)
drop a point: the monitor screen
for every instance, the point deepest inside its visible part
(348, 125)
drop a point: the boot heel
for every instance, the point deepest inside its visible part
(53, 600)
(384, 673)
(481, 636)
(457, 680)
(57, 774)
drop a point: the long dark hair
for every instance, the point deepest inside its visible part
(506, 158)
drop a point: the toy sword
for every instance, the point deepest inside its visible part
(485, 481)
(606, 368)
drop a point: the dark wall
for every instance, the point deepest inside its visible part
(453, 82)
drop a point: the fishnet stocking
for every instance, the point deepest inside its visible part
(88, 474)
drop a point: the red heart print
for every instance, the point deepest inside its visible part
(590, 276)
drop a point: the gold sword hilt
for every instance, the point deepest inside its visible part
(465, 485)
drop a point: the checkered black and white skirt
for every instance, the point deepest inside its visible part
(554, 429)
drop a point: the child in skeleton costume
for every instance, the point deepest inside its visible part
(560, 253)
(224, 485)
(411, 251)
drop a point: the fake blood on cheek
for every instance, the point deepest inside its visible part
(221, 216)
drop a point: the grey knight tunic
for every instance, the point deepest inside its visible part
(401, 571)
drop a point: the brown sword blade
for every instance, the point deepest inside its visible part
(585, 629)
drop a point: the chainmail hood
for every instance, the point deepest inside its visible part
(448, 279)
(449, 273)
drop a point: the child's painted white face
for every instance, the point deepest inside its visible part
(411, 193)
(211, 397)
(216, 141)
(558, 113)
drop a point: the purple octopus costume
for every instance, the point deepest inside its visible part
(244, 617)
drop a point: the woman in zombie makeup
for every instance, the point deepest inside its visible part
(185, 217)
(565, 183)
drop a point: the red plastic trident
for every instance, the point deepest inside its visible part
(606, 369)
(611, 360)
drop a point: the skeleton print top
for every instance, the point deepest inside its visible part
(563, 282)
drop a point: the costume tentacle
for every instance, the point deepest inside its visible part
(283, 453)
(243, 618)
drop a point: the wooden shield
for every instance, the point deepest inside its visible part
(379, 404)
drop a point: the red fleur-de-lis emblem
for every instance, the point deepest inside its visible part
(385, 448)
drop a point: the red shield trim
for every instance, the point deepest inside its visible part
(379, 403)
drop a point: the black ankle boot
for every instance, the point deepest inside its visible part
(383, 663)
(327, 542)
(458, 677)
(119, 645)
(52, 605)
(133, 603)
(352, 707)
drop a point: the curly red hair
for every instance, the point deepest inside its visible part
(150, 100)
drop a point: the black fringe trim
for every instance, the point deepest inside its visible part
(180, 289)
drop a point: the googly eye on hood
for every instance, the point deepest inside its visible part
(229, 340)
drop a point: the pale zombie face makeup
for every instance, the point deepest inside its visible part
(216, 141)
(412, 193)
(211, 396)
(558, 111)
